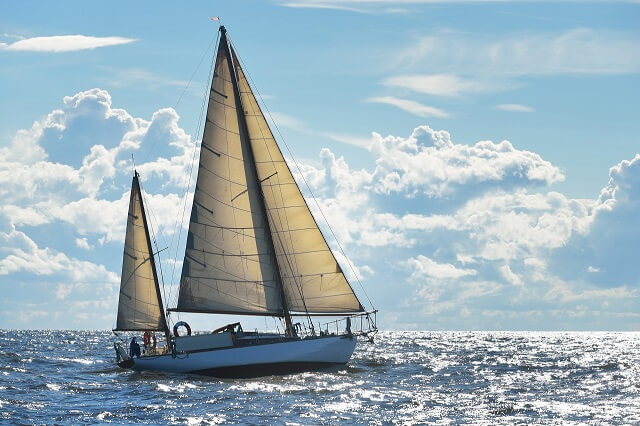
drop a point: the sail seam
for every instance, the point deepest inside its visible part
(207, 120)
(235, 232)
(224, 178)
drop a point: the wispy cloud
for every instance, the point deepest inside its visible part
(390, 6)
(322, 5)
(413, 107)
(437, 84)
(514, 108)
(576, 51)
(128, 77)
(285, 120)
(361, 142)
(64, 43)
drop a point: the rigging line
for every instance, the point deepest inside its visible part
(182, 94)
(233, 70)
(298, 285)
(283, 246)
(307, 185)
(179, 224)
(287, 245)
(153, 235)
(256, 115)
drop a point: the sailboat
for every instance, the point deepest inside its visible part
(253, 248)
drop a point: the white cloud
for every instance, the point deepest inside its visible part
(429, 162)
(360, 142)
(423, 267)
(135, 76)
(606, 254)
(321, 5)
(514, 108)
(65, 43)
(410, 106)
(581, 50)
(470, 235)
(83, 244)
(437, 84)
(23, 254)
(454, 226)
(285, 120)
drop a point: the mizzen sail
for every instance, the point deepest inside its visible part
(140, 303)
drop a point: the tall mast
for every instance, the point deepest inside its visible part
(152, 259)
(243, 124)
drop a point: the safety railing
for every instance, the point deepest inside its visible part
(363, 324)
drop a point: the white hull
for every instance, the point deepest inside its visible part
(253, 360)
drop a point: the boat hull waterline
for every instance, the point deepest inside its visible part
(254, 360)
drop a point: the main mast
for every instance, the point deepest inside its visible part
(243, 124)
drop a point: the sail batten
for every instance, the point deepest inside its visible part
(139, 303)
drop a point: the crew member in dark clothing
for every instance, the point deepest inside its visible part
(134, 348)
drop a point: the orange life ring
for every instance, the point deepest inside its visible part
(178, 324)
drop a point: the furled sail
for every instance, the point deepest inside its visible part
(140, 304)
(228, 264)
(311, 277)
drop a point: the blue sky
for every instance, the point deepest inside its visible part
(479, 161)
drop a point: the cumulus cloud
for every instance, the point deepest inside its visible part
(429, 162)
(83, 243)
(456, 235)
(21, 253)
(423, 267)
(68, 177)
(64, 43)
(471, 237)
(606, 254)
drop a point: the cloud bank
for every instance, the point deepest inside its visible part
(444, 235)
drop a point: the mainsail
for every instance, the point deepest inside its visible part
(253, 246)
(140, 303)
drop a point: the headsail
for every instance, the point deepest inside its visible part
(312, 278)
(244, 189)
(140, 303)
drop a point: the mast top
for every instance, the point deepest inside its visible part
(223, 30)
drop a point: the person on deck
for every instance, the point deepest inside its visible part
(134, 348)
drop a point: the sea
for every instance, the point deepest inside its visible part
(69, 377)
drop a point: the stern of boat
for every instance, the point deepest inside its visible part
(122, 357)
